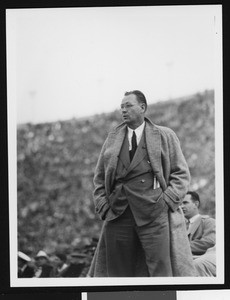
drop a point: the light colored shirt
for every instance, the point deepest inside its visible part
(192, 220)
(138, 132)
(63, 267)
(38, 272)
(23, 268)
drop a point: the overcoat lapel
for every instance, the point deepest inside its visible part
(124, 153)
(153, 143)
(115, 140)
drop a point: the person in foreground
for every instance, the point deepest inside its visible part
(141, 176)
(201, 231)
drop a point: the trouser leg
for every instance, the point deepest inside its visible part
(205, 265)
(154, 238)
(121, 244)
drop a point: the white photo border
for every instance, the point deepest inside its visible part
(12, 164)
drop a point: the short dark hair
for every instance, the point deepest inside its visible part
(140, 96)
(194, 196)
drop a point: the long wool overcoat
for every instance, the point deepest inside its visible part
(171, 170)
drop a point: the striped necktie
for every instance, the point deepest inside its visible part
(187, 224)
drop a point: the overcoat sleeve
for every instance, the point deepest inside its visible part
(178, 179)
(100, 199)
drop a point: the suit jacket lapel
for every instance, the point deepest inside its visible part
(153, 145)
(193, 227)
(138, 157)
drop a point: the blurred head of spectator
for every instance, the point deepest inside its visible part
(77, 258)
(41, 258)
(60, 261)
(77, 263)
(90, 249)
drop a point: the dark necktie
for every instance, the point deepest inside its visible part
(134, 145)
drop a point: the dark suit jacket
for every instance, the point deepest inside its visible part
(46, 271)
(28, 272)
(135, 187)
(166, 159)
(202, 234)
(73, 270)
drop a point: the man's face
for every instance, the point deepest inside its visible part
(189, 207)
(132, 111)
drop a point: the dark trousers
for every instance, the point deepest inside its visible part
(124, 239)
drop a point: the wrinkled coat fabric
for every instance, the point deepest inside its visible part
(181, 256)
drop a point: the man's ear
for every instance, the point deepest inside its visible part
(197, 204)
(143, 106)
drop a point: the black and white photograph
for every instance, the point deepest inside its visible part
(115, 146)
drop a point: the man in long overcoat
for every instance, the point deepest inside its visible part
(140, 178)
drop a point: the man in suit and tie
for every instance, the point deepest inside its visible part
(140, 175)
(201, 231)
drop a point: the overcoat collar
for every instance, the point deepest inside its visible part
(125, 158)
(115, 141)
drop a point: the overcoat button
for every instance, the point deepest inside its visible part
(142, 180)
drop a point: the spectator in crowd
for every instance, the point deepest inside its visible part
(44, 268)
(59, 264)
(90, 249)
(201, 231)
(25, 269)
(76, 265)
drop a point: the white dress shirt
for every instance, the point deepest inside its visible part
(138, 131)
